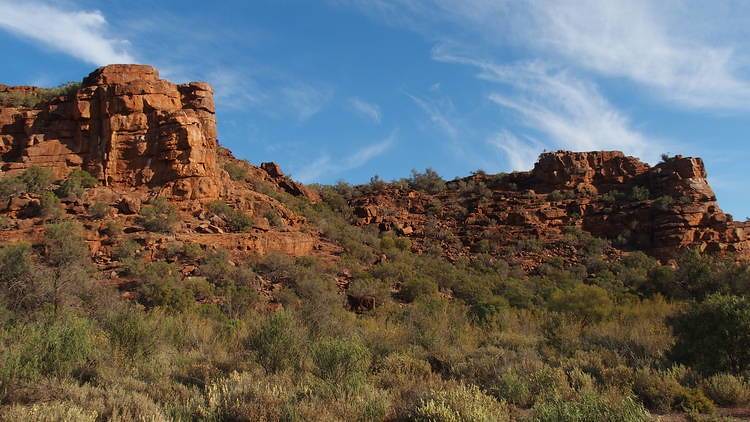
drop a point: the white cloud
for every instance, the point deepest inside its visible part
(233, 89)
(521, 154)
(324, 166)
(369, 110)
(691, 53)
(569, 111)
(438, 113)
(635, 39)
(81, 34)
(305, 100)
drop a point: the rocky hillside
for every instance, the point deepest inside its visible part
(142, 138)
(660, 210)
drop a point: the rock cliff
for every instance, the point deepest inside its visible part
(661, 209)
(125, 126)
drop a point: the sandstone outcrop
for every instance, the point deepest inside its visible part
(125, 126)
(661, 209)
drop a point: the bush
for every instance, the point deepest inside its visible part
(98, 210)
(342, 363)
(160, 286)
(279, 342)
(36, 179)
(50, 207)
(132, 332)
(589, 303)
(11, 186)
(39, 96)
(236, 171)
(726, 390)
(708, 349)
(416, 287)
(590, 408)
(159, 216)
(47, 349)
(48, 412)
(76, 184)
(236, 221)
(640, 193)
(460, 403)
(17, 276)
(64, 244)
(429, 181)
(664, 203)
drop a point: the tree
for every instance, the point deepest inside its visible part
(713, 336)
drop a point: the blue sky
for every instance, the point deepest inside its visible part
(345, 89)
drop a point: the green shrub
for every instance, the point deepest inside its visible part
(132, 332)
(663, 203)
(50, 207)
(18, 287)
(458, 404)
(340, 362)
(429, 181)
(36, 179)
(416, 287)
(160, 286)
(279, 342)
(589, 303)
(159, 216)
(76, 184)
(590, 408)
(47, 349)
(64, 244)
(663, 393)
(711, 350)
(98, 210)
(640, 193)
(236, 171)
(112, 228)
(11, 186)
(274, 219)
(236, 221)
(727, 390)
(39, 96)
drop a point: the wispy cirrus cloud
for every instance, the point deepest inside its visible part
(305, 100)
(78, 33)
(438, 111)
(570, 112)
(689, 53)
(635, 39)
(324, 166)
(366, 109)
(521, 154)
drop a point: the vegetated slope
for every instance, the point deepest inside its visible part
(145, 273)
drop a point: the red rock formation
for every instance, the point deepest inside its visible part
(660, 210)
(125, 126)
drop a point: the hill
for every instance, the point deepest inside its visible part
(145, 272)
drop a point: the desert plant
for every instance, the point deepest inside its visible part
(711, 350)
(50, 207)
(36, 179)
(98, 210)
(236, 171)
(76, 184)
(342, 363)
(460, 403)
(726, 390)
(159, 216)
(236, 221)
(590, 408)
(279, 343)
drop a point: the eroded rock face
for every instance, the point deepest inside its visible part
(127, 127)
(661, 209)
